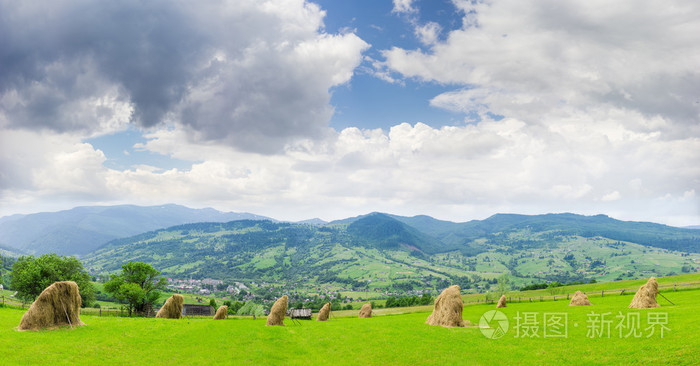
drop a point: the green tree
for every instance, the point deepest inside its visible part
(553, 288)
(31, 275)
(503, 284)
(212, 303)
(138, 285)
(426, 299)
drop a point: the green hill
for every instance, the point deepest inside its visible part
(379, 252)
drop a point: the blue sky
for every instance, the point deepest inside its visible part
(297, 109)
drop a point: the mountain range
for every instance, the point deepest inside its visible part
(382, 251)
(83, 229)
(376, 251)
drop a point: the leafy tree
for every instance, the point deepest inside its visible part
(553, 287)
(31, 275)
(251, 308)
(503, 284)
(212, 303)
(138, 285)
(233, 306)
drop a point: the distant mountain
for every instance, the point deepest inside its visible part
(9, 252)
(693, 227)
(314, 221)
(383, 251)
(83, 229)
(645, 233)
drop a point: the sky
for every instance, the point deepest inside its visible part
(298, 109)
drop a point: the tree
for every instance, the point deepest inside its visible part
(503, 284)
(553, 287)
(138, 285)
(31, 275)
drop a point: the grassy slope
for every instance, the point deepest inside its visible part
(392, 339)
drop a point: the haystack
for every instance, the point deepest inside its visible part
(501, 302)
(221, 312)
(59, 304)
(448, 309)
(324, 313)
(645, 297)
(172, 309)
(366, 311)
(277, 312)
(579, 299)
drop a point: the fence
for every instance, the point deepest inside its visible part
(602, 293)
(8, 301)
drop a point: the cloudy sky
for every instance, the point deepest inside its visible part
(298, 109)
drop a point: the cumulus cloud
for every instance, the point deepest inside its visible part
(404, 6)
(525, 58)
(428, 33)
(229, 71)
(452, 172)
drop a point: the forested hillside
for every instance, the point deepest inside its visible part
(380, 251)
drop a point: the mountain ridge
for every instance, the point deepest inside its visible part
(82, 229)
(380, 251)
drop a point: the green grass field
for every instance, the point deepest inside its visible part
(388, 338)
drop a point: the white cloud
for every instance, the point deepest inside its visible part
(428, 33)
(457, 173)
(404, 6)
(525, 58)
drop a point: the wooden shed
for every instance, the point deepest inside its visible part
(299, 314)
(197, 310)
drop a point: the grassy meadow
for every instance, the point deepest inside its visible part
(393, 336)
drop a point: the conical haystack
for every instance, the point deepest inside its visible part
(221, 312)
(366, 311)
(172, 309)
(448, 309)
(59, 304)
(501, 302)
(646, 295)
(324, 313)
(579, 299)
(277, 312)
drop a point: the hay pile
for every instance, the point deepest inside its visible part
(579, 299)
(221, 312)
(448, 309)
(324, 313)
(277, 312)
(501, 302)
(59, 304)
(645, 297)
(172, 309)
(366, 311)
